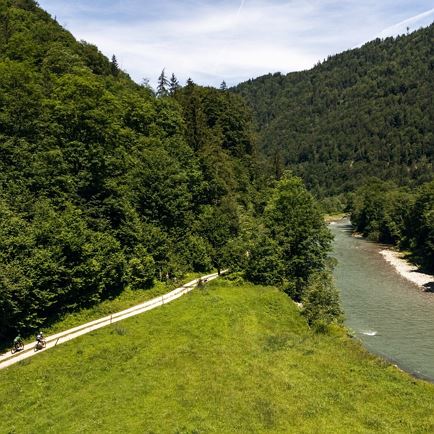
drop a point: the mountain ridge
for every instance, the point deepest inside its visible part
(363, 112)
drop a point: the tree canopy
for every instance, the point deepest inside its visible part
(105, 183)
(362, 113)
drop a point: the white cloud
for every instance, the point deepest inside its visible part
(231, 40)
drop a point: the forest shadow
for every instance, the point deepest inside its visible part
(429, 287)
(423, 265)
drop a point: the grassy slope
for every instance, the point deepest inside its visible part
(222, 359)
(126, 299)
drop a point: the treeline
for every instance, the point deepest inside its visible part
(387, 213)
(362, 113)
(290, 250)
(104, 184)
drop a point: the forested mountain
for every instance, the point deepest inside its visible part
(365, 112)
(105, 184)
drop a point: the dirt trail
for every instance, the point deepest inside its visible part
(7, 359)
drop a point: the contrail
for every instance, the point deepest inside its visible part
(400, 27)
(241, 7)
(397, 27)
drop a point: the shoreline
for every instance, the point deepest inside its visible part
(333, 218)
(407, 270)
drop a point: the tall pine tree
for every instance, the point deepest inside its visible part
(163, 83)
(114, 66)
(173, 85)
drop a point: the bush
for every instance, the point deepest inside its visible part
(321, 302)
(235, 279)
(141, 270)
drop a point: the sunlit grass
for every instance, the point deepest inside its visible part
(334, 217)
(126, 299)
(221, 359)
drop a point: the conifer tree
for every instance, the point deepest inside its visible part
(278, 163)
(173, 85)
(114, 66)
(223, 86)
(163, 84)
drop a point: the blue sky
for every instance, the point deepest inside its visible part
(232, 40)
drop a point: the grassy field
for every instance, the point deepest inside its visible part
(126, 299)
(223, 359)
(328, 218)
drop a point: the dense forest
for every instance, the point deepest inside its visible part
(382, 211)
(367, 112)
(358, 128)
(105, 184)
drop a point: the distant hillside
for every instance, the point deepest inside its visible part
(365, 112)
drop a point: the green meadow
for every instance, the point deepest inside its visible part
(221, 359)
(126, 299)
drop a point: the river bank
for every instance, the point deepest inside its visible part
(384, 310)
(402, 266)
(408, 270)
(333, 218)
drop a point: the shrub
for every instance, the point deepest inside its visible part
(321, 301)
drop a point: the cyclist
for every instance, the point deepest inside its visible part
(18, 341)
(40, 337)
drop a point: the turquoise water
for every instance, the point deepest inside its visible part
(390, 315)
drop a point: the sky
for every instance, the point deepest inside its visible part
(232, 40)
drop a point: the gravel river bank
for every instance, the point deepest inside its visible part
(391, 315)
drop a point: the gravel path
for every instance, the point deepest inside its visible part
(7, 359)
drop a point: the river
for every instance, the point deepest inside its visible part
(392, 317)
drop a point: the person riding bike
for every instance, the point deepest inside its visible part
(18, 344)
(40, 341)
(18, 341)
(40, 337)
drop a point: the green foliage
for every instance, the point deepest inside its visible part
(383, 212)
(106, 186)
(369, 214)
(211, 113)
(53, 264)
(103, 186)
(224, 359)
(294, 244)
(422, 226)
(141, 269)
(334, 204)
(362, 113)
(265, 265)
(321, 301)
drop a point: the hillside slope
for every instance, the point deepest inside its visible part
(106, 185)
(365, 112)
(221, 359)
(101, 183)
